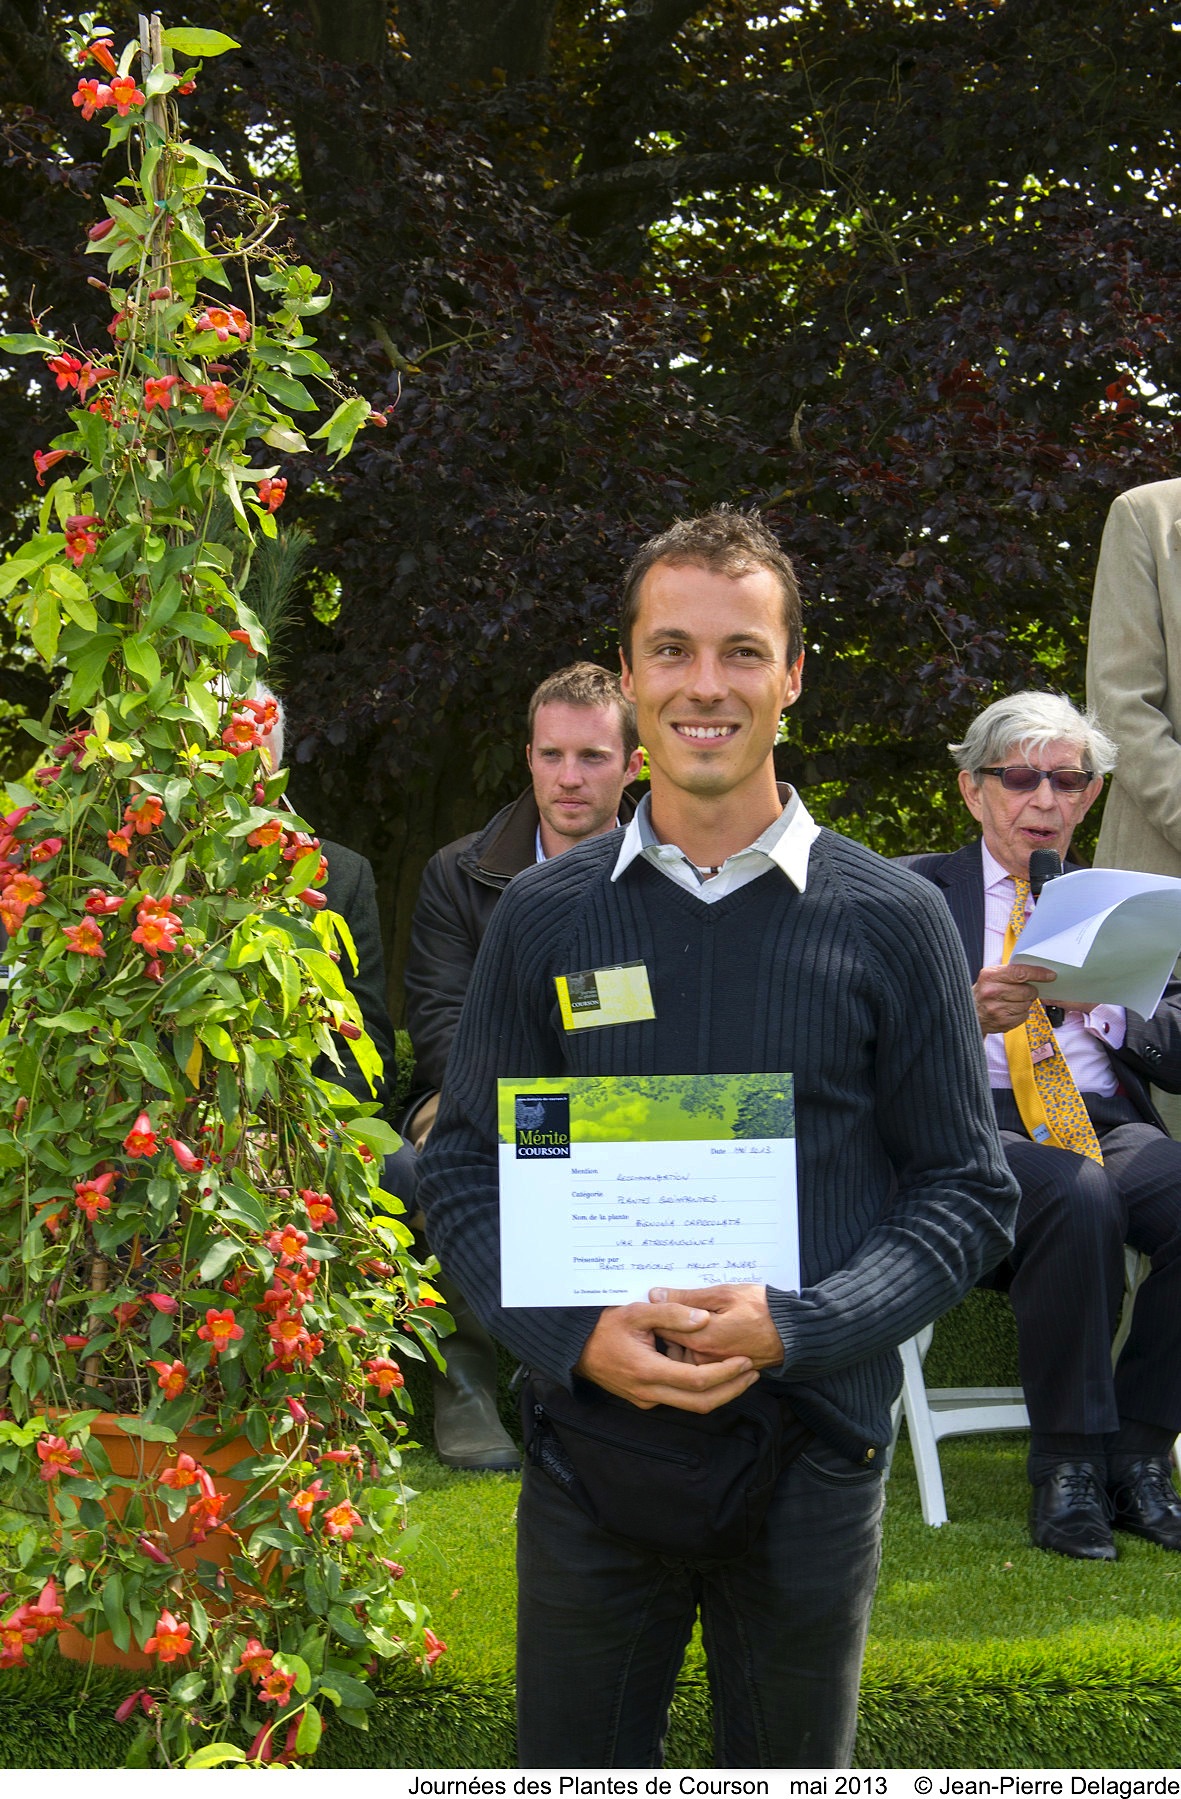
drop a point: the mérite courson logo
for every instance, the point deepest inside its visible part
(542, 1123)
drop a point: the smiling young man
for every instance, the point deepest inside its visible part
(1083, 1138)
(770, 946)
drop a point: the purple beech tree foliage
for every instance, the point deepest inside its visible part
(907, 275)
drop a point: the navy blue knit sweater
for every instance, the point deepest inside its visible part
(857, 987)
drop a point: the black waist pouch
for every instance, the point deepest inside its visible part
(694, 1487)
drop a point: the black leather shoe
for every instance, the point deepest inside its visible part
(1145, 1500)
(1069, 1513)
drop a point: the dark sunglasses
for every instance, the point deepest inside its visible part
(1024, 779)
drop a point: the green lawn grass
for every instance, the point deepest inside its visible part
(984, 1652)
(976, 1580)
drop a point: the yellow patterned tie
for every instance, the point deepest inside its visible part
(1050, 1104)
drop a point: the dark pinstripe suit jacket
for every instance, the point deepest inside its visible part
(1152, 1048)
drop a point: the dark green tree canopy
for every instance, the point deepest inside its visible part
(905, 274)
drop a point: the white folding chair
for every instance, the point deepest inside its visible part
(932, 1413)
(935, 1412)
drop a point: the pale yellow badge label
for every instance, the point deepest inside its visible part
(599, 996)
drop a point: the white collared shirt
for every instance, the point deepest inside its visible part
(785, 845)
(1079, 1033)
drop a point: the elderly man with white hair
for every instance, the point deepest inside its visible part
(1096, 1167)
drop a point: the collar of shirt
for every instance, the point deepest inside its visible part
(996, 878)
(785, 844)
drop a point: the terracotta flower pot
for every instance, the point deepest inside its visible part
(134, 1458)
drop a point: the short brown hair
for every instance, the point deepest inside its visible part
(586, 684)
(727, 543)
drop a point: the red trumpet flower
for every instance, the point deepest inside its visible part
(172, 1638)
(44, 1614)
(158, 391)
(157, 929)
(341, 1520)
(219, 1330)
(85, 938)
(44, 460)
(276, 1686)
(81, 538)
(216, 397)
(206, 1513)
(141, 1141)
(67, 368)
(57, 1457)
(143, 1699)
(92, 1197)
(90, 95)
(305, 1501)
(319, 1208)
(256, 1661)
(384, 1375)
(100, 903)
(125, 95)
(187, 1473)
(184, 1156)
(289, 1244)
(101, 51)
(225, 321)
(172, 1378)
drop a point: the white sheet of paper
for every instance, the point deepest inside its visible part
(616, 1217)
(1111, 937)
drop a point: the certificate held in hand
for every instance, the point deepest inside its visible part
(612, 1185)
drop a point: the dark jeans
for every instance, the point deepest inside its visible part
(1065, 1276)
(602, 1629)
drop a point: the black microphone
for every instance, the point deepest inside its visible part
(1045, 865)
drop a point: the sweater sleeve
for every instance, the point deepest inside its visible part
(505, 1029)
(439, 966)
(950, 1217)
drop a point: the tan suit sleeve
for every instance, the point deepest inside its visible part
(1127, 661)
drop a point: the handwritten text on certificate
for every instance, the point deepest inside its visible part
(611, 1186)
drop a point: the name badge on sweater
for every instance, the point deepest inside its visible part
(599, 996)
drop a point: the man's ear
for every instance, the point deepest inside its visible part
(625, 678)
(635, 763)
(970, 793)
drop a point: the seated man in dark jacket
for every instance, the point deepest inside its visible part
(351, 890)
(582, 750)
(1096, 1168)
